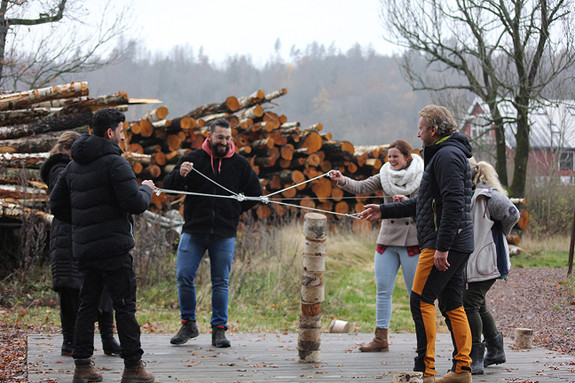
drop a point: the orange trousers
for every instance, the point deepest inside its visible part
(430, 285)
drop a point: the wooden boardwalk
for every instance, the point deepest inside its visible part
(274, 358)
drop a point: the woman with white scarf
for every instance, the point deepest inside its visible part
(397, 240)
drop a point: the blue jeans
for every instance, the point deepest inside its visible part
(386, 266)
(190, 253)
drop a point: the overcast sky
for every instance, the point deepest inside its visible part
(231, 27)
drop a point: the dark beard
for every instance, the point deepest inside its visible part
(220, 151)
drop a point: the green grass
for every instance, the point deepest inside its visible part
(264, 286)
(542, 252)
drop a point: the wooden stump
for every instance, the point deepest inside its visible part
(312, 289)
(408, 377)
(523, 338)
(339, 326)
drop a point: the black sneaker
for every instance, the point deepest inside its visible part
(219, 337)
(188, 330)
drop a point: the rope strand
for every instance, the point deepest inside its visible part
(263, 199)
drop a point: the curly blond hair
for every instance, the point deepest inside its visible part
(483, 173)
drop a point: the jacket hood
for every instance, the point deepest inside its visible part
(88, 148)
(461, 141)
(208, 149)
(58, 158)
(457, 139)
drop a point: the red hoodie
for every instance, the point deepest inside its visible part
(208, 149)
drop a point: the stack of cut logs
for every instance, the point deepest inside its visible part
(281, 152)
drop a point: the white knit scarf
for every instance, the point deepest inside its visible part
(404, 181)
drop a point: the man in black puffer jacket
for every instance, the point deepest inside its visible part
(210, 224)
(442, 212)
(97, 193)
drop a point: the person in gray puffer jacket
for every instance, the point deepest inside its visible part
(494, 215)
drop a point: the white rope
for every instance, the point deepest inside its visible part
(314, 209)
(264, 199)
(217, 184)
(296, 185)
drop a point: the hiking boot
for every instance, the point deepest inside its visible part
(188, 330)
(137, 374)
(85, 372)
(495, 351)
(454, 377)
(476, 355)
(111, 347)
(219, 337)
(429, 379)
(379, 342)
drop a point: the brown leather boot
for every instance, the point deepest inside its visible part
(137, 374)
(379, 343)
(453, 377)
(85, 372)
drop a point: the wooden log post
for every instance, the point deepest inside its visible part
(408, 377)
(313, 288)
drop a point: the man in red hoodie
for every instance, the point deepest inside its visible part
(210, 224)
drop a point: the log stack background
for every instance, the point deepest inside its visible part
(281, 151)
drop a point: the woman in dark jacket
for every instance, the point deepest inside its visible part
(66, 278)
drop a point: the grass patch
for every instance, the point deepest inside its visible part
(264, 286)
(542, 252)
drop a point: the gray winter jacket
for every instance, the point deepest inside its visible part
(487, 206)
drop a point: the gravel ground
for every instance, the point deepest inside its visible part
(536, 299)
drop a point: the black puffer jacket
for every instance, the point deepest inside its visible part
(65, 273)
(442, 208)
(97, 193)
(209, 215)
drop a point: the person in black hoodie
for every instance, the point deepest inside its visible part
(210, 224)
(66, 278)
(442, 211)
(97, 193)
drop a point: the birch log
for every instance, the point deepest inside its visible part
(312, 290)
(25, 99)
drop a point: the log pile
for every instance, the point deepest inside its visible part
(282, 152)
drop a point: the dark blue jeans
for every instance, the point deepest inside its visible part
(190, 253)
(121, 284)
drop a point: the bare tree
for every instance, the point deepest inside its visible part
(492, 48)
(41, 40)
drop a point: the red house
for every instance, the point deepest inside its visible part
(552, 137)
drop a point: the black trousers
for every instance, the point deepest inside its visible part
(121, 284)
(69, 305)
(480, 319)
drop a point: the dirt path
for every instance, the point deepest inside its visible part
(536, 299)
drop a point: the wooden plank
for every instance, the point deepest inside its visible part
(273, 358)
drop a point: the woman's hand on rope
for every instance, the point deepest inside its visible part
(371, 213)
(336, 175)
(399, 198)
(186, 168)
